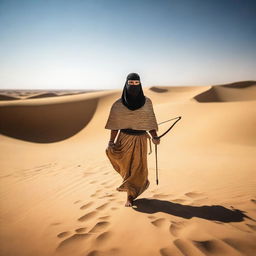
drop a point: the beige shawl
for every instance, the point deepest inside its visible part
(120, 117)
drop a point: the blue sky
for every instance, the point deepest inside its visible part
(94, 44)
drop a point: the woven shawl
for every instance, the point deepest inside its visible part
(120, 117)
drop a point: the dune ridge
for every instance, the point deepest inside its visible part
(35, 94)
(239, 91)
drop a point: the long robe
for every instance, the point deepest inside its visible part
(129, 155)
(129, 158)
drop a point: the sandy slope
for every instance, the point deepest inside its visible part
(34, 94)
(58, 190)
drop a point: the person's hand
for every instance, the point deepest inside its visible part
(156, 140)
(111, 144)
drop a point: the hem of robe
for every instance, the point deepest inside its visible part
(126, 187)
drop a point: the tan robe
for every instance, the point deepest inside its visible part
(129, 155)
(129, 158)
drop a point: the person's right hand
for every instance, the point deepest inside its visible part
(156, 141)
(111, 144)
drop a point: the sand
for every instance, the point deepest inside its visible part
(58, 190)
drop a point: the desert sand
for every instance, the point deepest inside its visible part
(58, 188)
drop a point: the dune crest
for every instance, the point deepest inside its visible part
(158, 89)
(7, 97)
(240, 91)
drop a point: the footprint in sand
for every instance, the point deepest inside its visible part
(253, 227)
(99, 227)
(112, 252)
(92, 182)
(113, 208)
(80, 230)
(97, 192)
(160, 195)
(73, 240)
(88, 216)
(45, 165)
(108, 186)
(104, 217)
(103, 206)
(166, 251)
(85, 206)
(246, 246)
(152, 217)
(200, 200)
(5, 176)
(241, 227)
(55, 223)
(86, 174)
(214, 247)
(194, 194)
(108, 195)
(179, 200)
(78, 201)
(158, 222)
(253, 200)
(176, 226)
(103, 236)
(63, 234)
(94, 253)
(187, 248)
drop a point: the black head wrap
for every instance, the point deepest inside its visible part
(133, 96)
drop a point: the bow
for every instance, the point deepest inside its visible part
(178, 118)
(158, 137)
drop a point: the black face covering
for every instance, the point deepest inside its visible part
(133, 96)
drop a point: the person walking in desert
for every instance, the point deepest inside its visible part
(132, 116)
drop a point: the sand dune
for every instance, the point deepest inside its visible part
(241, 91)
(43, 95)
(241, 84)
(58, 190)
(47, 121)
(7, 97)
(56, 94)
(35, 94)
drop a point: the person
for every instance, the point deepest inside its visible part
(130, 119)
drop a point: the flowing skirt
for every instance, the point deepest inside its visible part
(129, 158)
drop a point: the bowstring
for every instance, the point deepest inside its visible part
(167, 120)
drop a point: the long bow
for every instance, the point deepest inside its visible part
(178, 118)
(158, 137)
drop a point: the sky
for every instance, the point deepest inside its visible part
(95, 44)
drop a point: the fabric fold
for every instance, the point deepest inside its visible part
(129, 158)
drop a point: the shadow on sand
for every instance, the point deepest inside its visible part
(214, 212)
